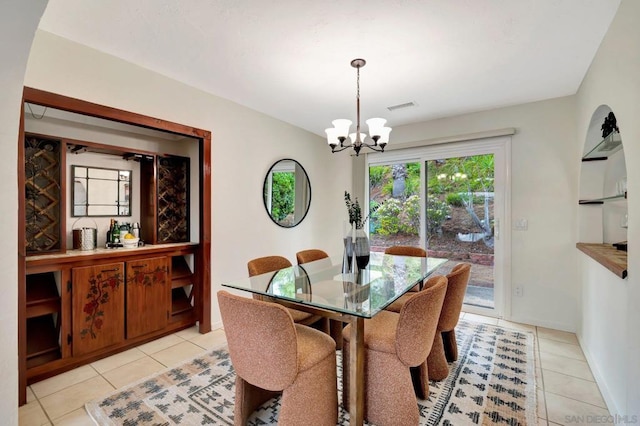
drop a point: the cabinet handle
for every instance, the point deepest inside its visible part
(110, 270)
(138, 266)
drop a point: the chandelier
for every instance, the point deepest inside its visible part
(378, 133)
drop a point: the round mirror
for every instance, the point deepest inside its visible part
(287, 193)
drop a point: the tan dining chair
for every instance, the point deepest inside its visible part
(407, 251)
(272, 355)
(393, 343)
(266, 264)
(445, 348)
(312, 255)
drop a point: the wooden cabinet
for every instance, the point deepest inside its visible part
(98, 306)
(148, 293)
(56, 285)
(84, 306)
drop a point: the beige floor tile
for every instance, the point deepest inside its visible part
(132, 372)
(564, 365)
(117, 360)
(178, 353)
(542, 422)
(560, 336)
(77, 417)
(517, 326)
(562, 410)
(212, 340)
(30, 395)
(62, 381)
(560, 348)
(74, 397)
(572, 387)
(160, 344)
(542, 407)
(188, 333)
(32, 414)
(481, 318)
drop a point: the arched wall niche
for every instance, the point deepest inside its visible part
(603, 210)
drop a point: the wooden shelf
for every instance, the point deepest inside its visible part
(42, 295)
(606, 255)
(179, 301)
(42, 341)
(181, 274)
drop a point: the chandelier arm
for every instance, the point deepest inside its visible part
(336, 149)
(377, 148)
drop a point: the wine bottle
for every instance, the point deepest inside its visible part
(109, 231)
(115, 233)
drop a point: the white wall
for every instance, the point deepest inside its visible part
(609, 331)
(544, 180)
(18, 23)
(245, 144)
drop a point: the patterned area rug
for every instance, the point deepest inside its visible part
(493, 382)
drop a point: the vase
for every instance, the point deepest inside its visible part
(356, 244)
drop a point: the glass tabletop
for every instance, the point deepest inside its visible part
(321, 284)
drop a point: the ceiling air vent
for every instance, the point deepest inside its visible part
(401, 106)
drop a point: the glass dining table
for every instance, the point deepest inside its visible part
(322, 288)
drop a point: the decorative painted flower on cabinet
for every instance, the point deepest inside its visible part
(100, 288)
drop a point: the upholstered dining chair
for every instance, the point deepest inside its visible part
(393, 343)
(271, 355)
(445, 348)
(263, 265)
(312, 255)
(407, 251)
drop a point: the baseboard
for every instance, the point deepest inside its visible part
(555, 325)
(599, 378)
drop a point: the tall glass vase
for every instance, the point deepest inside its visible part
(356, 245)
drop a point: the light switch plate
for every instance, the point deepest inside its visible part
(521, 224)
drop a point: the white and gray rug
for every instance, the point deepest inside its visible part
(493, 382)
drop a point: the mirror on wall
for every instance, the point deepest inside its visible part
(100, 192)
(287, 193)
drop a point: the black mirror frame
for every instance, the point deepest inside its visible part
(264, 200)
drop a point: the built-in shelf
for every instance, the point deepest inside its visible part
(604, 199)
(606, 255)
(605, 148)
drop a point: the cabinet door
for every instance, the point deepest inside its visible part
(98, 307)
(148, 290)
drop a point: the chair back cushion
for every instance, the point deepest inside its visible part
(406, 251)
(310, 255)
(456, 288)
(418, 322)
(262, 265)
(262, 341)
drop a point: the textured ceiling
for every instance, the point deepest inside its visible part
(291, 58)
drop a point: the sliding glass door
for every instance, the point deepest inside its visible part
(452, 200)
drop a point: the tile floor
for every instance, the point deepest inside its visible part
(565, 386)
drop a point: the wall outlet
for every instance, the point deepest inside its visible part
(517, 291)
